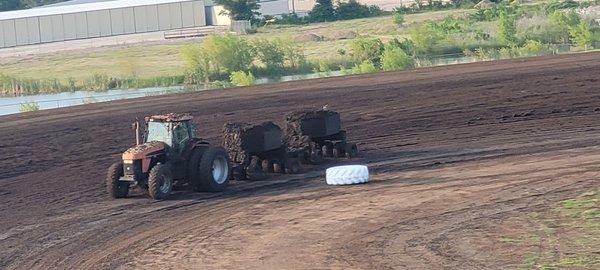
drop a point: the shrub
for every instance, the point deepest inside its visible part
(354, 10)
(425, 36)
(240, 78)
(29, 107)
(507, 28)
(322, 67)
(292, 18)
(270, 53)
(197, 64)
(555, 5)
(533, 47)
(228, 52)
(394, 58)
(364, 67)
(366, 49)
(398, 17)
(581, 35)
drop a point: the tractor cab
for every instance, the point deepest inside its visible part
(174, 130)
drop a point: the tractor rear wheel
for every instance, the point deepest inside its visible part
(160, 182)
(115, 187)
(213, 170)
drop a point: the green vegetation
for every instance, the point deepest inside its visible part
(398, 17)
(325, 11)
(365, 66)
(29, 107)
(394, 58)
(240, 78)
(240, 9)
(219, 56)
(444, 31)
(567, 236)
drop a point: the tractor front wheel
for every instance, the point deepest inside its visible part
(115, 187)
(160, 182)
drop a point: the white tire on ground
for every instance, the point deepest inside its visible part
(347, 175)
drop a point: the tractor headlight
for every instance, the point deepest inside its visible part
(127, 161)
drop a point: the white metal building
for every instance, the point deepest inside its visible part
(102, 18)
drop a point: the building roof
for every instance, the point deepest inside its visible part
(66, 9)
(72, 2)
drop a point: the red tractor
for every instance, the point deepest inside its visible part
(168, 153)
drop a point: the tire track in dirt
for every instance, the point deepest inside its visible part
(426, 132)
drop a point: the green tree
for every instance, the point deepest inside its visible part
(507, 28)
(322, 11)
(394, 58)
(563, 21)
(352, 9)
(367, 49)
(425, 36)
(240, 9)
(581, 35)
(6, 5)
(228, 52)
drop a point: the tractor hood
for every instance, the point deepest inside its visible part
(144, 150)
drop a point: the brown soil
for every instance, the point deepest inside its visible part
(453, 150)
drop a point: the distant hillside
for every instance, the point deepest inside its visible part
(6, 5)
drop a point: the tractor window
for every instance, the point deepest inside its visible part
(180, 133)
(158, 132)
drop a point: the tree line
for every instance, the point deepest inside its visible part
(7, 5)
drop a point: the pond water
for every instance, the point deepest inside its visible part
(10, 105)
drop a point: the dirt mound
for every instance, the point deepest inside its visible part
(308, 37)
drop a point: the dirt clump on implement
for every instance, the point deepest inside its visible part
(314, 134)
(257, 150)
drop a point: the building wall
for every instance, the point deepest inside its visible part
(101, 23)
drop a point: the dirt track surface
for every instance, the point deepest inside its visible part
(452, 150)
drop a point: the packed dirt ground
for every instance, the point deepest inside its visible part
(466, 161)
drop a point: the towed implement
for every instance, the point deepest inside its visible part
(317, 134)
(256, 150)
(168, 153)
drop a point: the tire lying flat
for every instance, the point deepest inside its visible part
(347, 175)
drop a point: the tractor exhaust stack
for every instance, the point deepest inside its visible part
(138, 135)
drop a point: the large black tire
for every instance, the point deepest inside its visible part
(351, 150)
(267, 166)
(214, 170)
(193, 168)
(292, 166)
(316, 156)
(327, 150)
(116, 188)
(160, 182)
